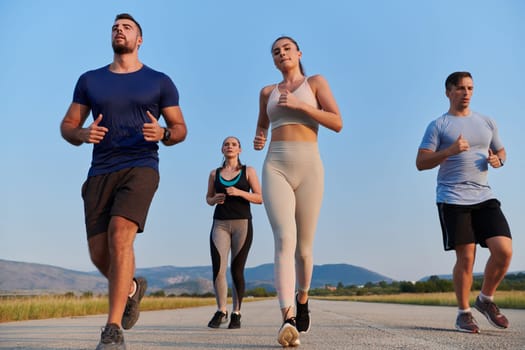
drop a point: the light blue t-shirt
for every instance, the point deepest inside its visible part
(462, 178)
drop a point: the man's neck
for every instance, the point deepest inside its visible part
(127, 63)
(463, 112)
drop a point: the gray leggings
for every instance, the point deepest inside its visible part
(226, 235)
(292, 186)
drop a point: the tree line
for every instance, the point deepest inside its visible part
(433, 284)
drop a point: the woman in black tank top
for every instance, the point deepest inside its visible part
(231, 188)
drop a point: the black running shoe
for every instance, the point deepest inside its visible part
(302, 317)
(235, 321)
(288, 334)
(132, 312)
(217, 319)
(111, 338)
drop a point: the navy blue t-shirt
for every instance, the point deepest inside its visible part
(123, 100)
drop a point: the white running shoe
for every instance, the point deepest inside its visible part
(288, 334)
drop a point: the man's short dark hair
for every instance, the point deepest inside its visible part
(130, 17)
(454, 78)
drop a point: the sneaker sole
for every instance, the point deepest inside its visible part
(288, 336)
(306, 331)
(463, 330)
(121, 346)
(489, 319)
(215, 326)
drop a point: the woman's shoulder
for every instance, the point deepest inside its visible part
(316, 79)
(318, 83)
(267, 90)
(213, 172)
(249, 169)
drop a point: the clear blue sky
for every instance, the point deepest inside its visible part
(386, 62)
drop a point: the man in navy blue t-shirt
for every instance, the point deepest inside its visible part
(126, 99)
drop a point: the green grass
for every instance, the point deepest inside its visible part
(504, 299)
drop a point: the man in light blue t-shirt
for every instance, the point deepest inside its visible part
(463, 144)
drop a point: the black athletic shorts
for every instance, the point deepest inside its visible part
(464, 224)
(127, 193)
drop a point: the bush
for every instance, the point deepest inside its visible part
(158, 294)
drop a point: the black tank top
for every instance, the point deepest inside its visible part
(234, 207)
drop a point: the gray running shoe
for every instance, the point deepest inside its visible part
(492, 313)
(288, 334)
(235, 321)
(132, 312)
(217, 319)
(112, 338)
(465, 322)
(302, 317)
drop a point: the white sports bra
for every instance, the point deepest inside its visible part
(280, 116)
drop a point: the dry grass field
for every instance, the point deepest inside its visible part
(40, 307)
(504, 299)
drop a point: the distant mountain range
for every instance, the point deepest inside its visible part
(30, 278)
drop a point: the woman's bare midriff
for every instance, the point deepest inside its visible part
(294, 132)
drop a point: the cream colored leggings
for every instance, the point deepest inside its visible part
(292, 186)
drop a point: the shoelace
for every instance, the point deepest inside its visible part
(130, 303)
(468, 318)
(219, 315)
(493, 307)
(109, 334)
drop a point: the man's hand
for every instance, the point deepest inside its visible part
(94, 133)
(152, 131)
(493, 160)
(461, 145)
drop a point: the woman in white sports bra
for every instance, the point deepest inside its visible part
(293, 177)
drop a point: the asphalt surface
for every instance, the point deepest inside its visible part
(335, 325)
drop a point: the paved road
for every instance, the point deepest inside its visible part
(336, 325)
